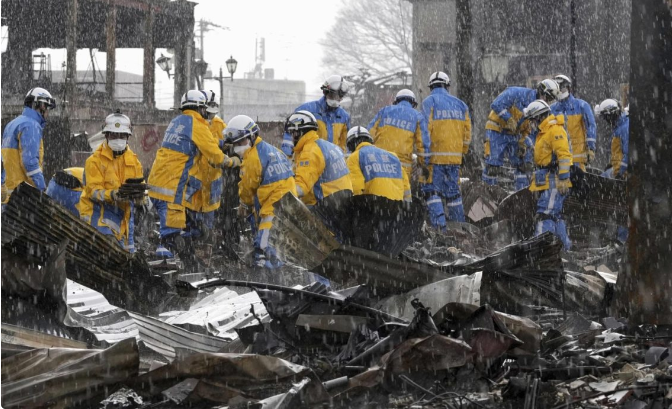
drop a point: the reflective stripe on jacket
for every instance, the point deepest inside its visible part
(187, 136)
(551, 154)
(332, 124)
(619, 145)
(398, 128)
(23, 151)
(449, 127)
(265, 177)
(580, 124)
(104, 173)
(320, 169)
(375, 171)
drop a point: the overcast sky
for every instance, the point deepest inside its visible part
(292, 29)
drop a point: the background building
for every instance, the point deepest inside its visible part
(487, 45)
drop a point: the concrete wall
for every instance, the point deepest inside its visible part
(518, 43)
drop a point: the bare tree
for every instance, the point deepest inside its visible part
(371, 35)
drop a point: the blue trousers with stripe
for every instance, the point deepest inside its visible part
(549, 213)
(445, 187)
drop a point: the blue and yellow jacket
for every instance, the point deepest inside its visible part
(580, 124)
(374, 171)
(103, 173)
(398, 128)
(619, 145)
(510, 103)
(449, 127)
(68, 196)
(332, 124)
(265, 177)
(320, 169)
(22, 152)
(187, 136)
(552, 156)
(207, 199)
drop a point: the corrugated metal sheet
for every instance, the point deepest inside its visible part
(218, 314)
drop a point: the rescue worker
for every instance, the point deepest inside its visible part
(375, 171)
(172, 183)
(552, 160)
(201, 209)
(507, 134)
(332, 120)
(399, 128)
(619, 120)
(66, 188)
(319, 165)
(611, 112)
(579, 121)
(450, 134)
(265, 177)
(22, 146)
(107, 202)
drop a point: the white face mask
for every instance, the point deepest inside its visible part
(333, 103)
(240, 150)
(117, 145)
(563, 95)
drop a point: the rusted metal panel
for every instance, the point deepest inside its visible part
(32, 222)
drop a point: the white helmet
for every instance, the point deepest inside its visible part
(301, 121)
(335, 83)
(213, 106)
(565, 84)
(439, 78)
(355, 133)
(563, 81)
(536, 108)
(239, 127)
(548, 88)
(608, 107)
(193, 99)
(406, 95)
(118, 123)
(39, 95)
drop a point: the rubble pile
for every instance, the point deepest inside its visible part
(468, 318)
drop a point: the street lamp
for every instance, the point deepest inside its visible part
(165, 63)
(231, 65)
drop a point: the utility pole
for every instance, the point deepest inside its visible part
(221, 93)
(644, 286)
(203, 27)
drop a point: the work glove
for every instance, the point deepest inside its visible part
(511, 125)
(563, 186)
(590, 155)
(132, 190)
(243, 211)
(231, 162)
(424, 169)
(526, 167)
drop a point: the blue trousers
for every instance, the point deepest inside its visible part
(444, 187)
(505, 146)
(161, 207)
(549, 214)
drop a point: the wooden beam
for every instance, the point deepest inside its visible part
(644, 287)
(110, 34)
(148, 68)
(71, 48)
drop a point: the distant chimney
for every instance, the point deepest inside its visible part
(269, 73)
